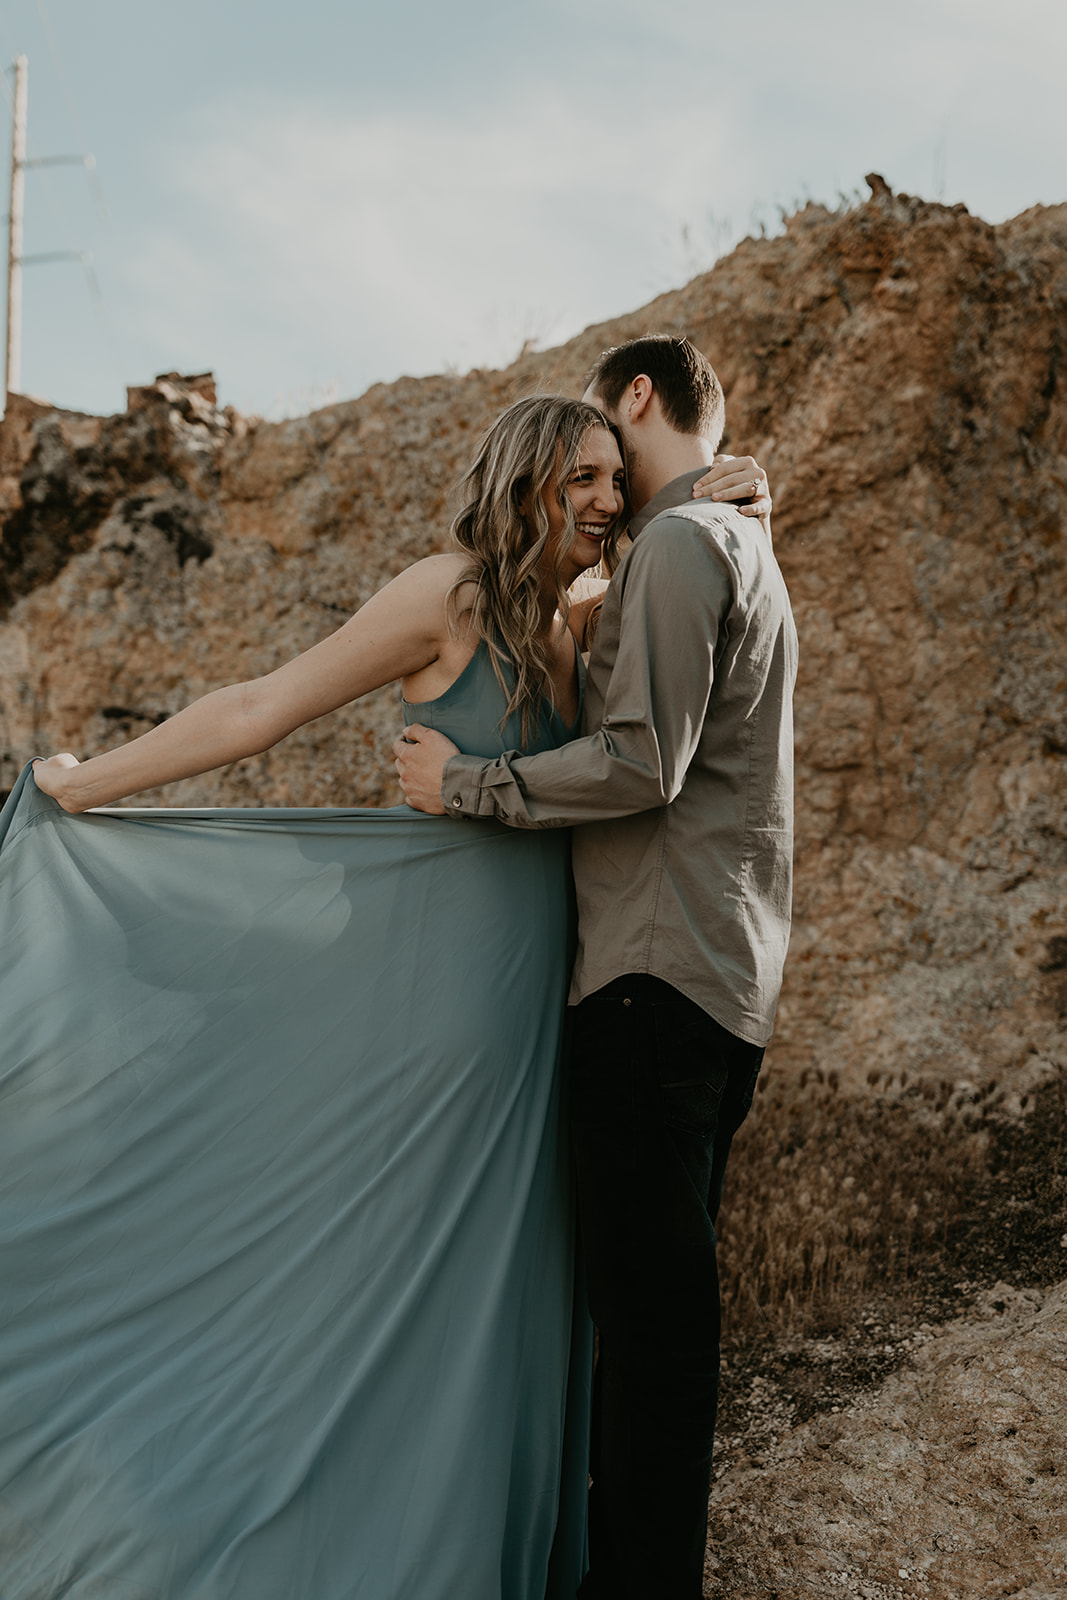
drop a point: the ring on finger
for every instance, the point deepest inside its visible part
(755, 486)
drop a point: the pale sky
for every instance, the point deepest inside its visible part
(310, 196)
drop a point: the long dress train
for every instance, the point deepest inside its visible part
(287, 1305)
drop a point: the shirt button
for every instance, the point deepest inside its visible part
(457, 800)
(626, 1002)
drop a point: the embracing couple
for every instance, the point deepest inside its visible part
(287, 1198)
(680, 794)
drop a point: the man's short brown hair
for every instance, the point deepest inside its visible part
(689, 392)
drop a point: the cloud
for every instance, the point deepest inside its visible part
(309, 241)
(414, 242)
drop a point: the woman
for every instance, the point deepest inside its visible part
(286, 1298)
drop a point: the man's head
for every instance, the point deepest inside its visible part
(667, 403)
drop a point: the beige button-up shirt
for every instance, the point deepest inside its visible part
(680, 790)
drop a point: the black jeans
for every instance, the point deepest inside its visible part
(657, 1091)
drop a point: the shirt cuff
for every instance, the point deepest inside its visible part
(461, 787)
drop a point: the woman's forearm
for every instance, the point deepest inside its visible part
(224, 726)
(400, 630)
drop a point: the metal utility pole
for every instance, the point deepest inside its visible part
(13, 358)
(16, 260)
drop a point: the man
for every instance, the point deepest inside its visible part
(680, 792)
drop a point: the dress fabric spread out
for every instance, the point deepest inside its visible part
(287, 1276)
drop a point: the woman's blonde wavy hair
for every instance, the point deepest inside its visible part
(502, 527)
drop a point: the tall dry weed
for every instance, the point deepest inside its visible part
(833, 1198)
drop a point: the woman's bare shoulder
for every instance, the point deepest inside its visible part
(434, 573)
(438, 576)
(423, 588)
(421, 594)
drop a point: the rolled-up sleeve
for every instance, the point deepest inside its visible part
(676, 596)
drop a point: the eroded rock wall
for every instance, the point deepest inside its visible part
(897, 369)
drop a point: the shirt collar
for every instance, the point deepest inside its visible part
(676, 493)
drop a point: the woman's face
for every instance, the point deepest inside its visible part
(594, 489)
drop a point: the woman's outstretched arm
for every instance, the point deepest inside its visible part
(399, 631)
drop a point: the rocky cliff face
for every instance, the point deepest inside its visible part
(897, 369)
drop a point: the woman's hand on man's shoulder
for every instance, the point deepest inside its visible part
(735, 478)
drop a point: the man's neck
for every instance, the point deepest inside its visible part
(673, 455)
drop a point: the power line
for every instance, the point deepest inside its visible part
(37, 161)
(72, 109)
(100, 306)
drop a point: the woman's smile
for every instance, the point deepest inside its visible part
(595, 491)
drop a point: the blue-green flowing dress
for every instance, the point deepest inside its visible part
(287, 1304)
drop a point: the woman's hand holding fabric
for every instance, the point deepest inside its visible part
(49, 776)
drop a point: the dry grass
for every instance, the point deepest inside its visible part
(833, 1200)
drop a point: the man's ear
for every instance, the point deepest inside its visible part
(639, 398)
